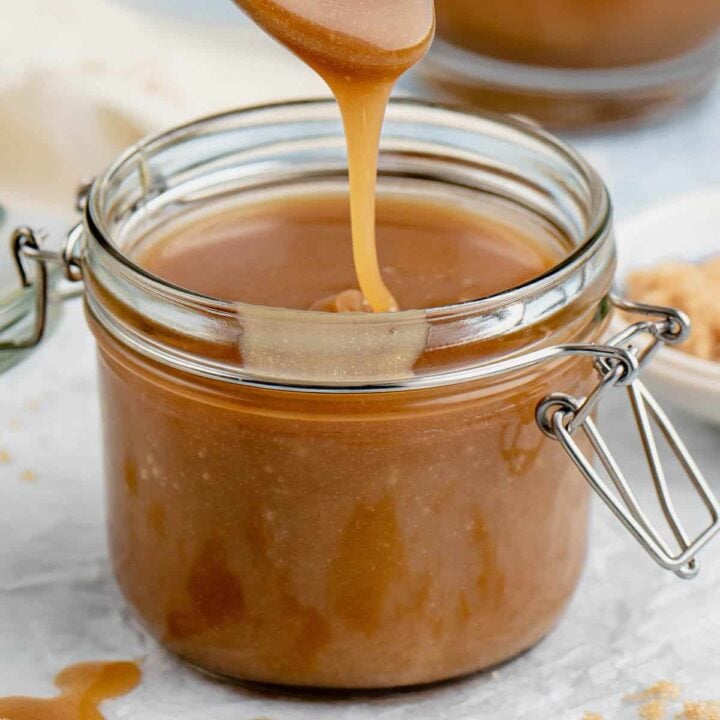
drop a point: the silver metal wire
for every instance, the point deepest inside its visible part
(560, 416)
(26, 247)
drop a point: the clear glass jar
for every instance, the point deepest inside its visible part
(582, 62)
(392, 515)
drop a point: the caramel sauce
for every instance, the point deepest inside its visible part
(345, 540)
(294, 251)
(360, 48)
(350, 540)
(82, 688)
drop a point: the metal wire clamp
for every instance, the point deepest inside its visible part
(26, 248)
(561, 416)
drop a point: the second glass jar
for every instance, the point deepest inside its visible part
(583, 62)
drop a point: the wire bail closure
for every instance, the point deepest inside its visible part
(26, 248)
(561, 416)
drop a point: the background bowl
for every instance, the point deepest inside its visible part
(684, 228)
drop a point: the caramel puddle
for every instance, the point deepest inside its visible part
(82, 688)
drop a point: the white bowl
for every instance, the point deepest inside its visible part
(682, 228)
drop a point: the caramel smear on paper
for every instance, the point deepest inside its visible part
(82, 689)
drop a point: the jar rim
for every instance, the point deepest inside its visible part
(275, 145)
(601, 211)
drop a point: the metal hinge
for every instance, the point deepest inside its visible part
(26, 248)
(561, 416)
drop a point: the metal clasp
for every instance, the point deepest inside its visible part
(26, 247)
(561, 416)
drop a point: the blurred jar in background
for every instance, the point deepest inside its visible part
(576, 62)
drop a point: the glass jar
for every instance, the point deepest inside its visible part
(390, 513)
(582, 62)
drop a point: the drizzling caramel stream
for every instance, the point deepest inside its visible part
(82, 688)
(360, 48)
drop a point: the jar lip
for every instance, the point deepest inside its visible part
(600, 216)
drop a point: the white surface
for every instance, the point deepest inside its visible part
(216, 11)
(687, 228)
(629, 625)
(82, 80)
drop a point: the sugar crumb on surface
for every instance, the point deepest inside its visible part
(660, 701)
(32, 404)
(28, 476)
(5, 457)
(704, 710)
(653, 709)
(663, 690)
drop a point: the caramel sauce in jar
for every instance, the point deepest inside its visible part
(575, 63)
(342, 540)
(304, 492)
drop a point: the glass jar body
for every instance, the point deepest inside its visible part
(580, 62)
(371, 527)
(338, 541)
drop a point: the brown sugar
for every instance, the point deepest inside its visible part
(653, 710)
(655, 700)
(662, 690)
(704, 710)
(658, 699)
(28, 476)
(694, 288)
(5, 457)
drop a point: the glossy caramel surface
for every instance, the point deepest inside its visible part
(295, 252)
(346, 541)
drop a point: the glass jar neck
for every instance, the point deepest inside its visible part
(277, 149)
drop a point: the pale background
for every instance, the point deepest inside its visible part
(629, 625)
